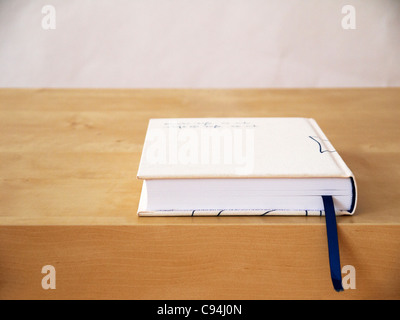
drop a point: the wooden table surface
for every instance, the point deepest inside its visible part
(69, 195)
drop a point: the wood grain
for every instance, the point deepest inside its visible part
(69, 195)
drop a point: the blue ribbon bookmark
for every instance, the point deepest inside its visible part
(333, 243)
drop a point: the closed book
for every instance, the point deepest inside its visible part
(241, 166)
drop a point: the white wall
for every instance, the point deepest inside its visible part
(199, 43)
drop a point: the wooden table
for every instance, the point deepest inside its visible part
(69, 195)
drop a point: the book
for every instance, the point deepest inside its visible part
(241, 166)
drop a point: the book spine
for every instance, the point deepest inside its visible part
(339, 161)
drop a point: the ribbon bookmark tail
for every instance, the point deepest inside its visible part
(333, 243)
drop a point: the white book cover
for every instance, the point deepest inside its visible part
(216, 149)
